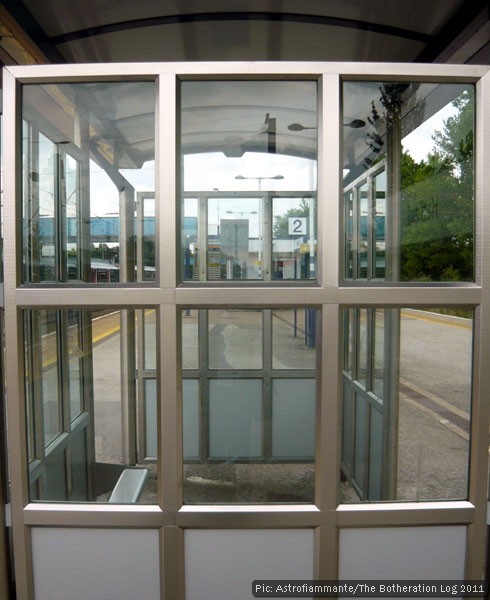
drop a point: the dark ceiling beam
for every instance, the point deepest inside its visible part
(461, 19)
(31, 27)
(241, 16)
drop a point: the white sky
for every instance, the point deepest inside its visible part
(215, 171)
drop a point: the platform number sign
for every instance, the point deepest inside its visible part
(297, 226)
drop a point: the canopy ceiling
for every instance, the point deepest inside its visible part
(186, 30)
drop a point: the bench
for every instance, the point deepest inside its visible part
(129, 486)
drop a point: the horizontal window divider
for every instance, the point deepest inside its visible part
(252, 516)
(257, 70)
(138, 516)
(405, 513)
(413, 296)
(248, 516)
(88, 297)
(257, 296)
(253, 374)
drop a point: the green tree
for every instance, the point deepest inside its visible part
(437, 203)
(281, 222)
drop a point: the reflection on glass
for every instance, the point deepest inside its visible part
(75, 357)
(234, 238)
(190, 239)
(379, 354)
(362, 232)
(293, 238)
(293, 339)
(349, 237)
(411, 155)
(149, 318)
(409, 440)
(235, 339)
(190, 339)
(86, 149)
(362, 348)
(249, 428)
(79, 417)
(145, 215)
(235, 418)
(379, 255)
(243, 143)
(49, 342)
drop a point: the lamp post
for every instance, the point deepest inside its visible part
(259, 179)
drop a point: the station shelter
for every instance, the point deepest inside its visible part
(246, 323)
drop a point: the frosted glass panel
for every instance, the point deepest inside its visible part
(94, 563)
(235, 418)
(412, 553)
(151, 418)
(221, 565)
(190, 393)
(375, 454)
(293, 418)
(190, 339)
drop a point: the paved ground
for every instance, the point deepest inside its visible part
(433, 446)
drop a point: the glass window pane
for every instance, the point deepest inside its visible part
(379, 353)
(49, 374)
(421, 137)
(234, 238)
(149, 317)
(235, 339)
(293, 339)
(412, 436)
(80, 416)
(76, 364)
(87, 150)
(235, 418)
(378, 225)
(293, 238)
(191, 418)
(249, 405)
(190, 239)
(362, 347)
(190, 339)
(362, 235)
(151, 419)
(293, 418)
(243, 144)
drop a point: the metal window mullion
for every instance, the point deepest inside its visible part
(355, 233)
(480, 408)
(141, 451)
(203, 346)
(267, 236)
(202, 236)
(87, 392)
(31, 234)
(64, 394)
(82, 140)
(267, 384)
(371, 254)
(60, 222)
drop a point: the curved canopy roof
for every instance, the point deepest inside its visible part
(185, 30)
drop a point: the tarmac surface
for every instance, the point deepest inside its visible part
(434, 409)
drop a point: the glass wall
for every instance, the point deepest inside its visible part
(87, 149)
(248, 180)
(406, 422)
(78, 401)
(408, 175)
(297, 350)
(249, 405)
